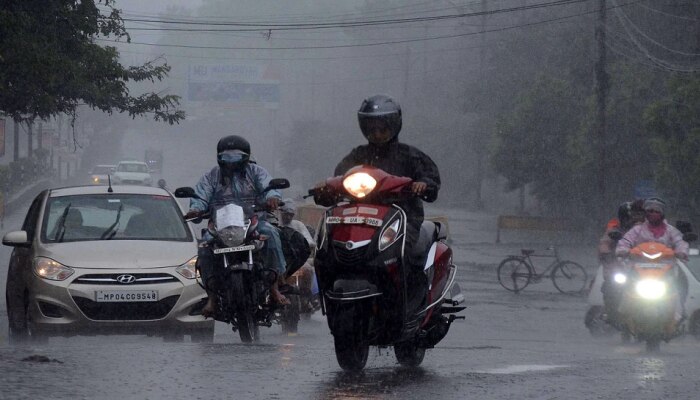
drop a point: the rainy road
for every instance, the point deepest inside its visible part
(531, 345)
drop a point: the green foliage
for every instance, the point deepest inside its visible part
(50, 63)
(674, 122)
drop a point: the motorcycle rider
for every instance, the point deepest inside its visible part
(307, 273)
(380, 121)
(236, 178)
(656, 229)
(629, 214)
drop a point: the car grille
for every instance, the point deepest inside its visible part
(350, 257)
(132, 311)
(111, 279)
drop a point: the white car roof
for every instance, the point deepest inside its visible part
(102, 189)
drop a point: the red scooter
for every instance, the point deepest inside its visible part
(364, 276)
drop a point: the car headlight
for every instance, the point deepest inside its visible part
(389, 235)
(95, 179)
(650, 289)
(620, 278)
(359, 184)
(49, 269)
(188, 269)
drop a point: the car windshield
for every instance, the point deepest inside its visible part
(693, 265)
(113, 216)
(132, 167)
(102, 170)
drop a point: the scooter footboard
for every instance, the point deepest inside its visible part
(352, 290)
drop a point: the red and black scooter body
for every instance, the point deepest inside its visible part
(361, 264)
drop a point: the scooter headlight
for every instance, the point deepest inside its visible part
(359, 184)
(620, 278)
(389, 235)
(650, 289)
(50, 269)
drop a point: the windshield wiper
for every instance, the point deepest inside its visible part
(61, 225)
(110, 232)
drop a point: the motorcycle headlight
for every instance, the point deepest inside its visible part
(50, 269)
(233, 235)
(188, 269)
(650, 289)
(389, 235)
(620, 278)
(359, 184)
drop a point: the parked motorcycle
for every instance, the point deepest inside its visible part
(364, 275)
(244, 288)
(649, 307)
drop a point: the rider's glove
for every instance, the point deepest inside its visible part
(192, 214)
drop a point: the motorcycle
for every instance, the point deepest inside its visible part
(649, 306)
(244, 287)
(363, 271)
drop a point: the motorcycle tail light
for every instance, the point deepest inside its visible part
(359, 184)
(650, 289)
(389, 235)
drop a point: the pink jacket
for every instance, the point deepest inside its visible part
(641, 233)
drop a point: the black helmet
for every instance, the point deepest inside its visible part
(379, 108)
(232, 152)
(624, 212)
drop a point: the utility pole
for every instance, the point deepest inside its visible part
(482, 135)
(602, 89)
(15, 142)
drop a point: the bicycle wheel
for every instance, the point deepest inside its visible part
(569, 277)
(514, 274)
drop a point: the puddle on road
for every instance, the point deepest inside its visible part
(519, 369)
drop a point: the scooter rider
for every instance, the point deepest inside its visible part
(236, 178)
(656, 229)
(629, 214)
(380, 121)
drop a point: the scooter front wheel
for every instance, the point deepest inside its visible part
(409, 354)
(350, 337)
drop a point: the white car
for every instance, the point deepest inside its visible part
(99, 174)
(132, 173)
(95, 260)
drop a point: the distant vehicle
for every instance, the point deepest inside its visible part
(132, 173)
(154, 160)
(89, 261)
(98, 174)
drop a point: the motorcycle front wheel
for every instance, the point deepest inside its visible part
(350, 337)
(240, 299)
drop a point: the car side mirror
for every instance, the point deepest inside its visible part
(277, 183)
(615, 235)
(16, 239)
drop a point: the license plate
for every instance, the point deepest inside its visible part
(125, 296)
(233, 249)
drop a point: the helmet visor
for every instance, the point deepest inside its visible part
(377, 130)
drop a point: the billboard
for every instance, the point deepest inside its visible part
(233, 85)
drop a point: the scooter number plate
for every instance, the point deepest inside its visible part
(354, 220)
(649, 265)
(234, 249)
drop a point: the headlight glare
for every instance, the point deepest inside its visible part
(620, 278)
(650, 289)
(389, 235)
(53, 270)
(188, 269)
(359, 184)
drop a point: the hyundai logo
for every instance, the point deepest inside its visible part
(126, 279)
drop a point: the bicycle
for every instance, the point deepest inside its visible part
(516, 272)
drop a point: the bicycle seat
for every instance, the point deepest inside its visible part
(527, 252)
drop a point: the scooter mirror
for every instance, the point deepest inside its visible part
(277, 183)
(185, 192)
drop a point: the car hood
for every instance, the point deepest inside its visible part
(133, 175)
(120, 254)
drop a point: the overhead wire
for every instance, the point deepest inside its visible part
(378, 43)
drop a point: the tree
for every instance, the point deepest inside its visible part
(50, 62)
